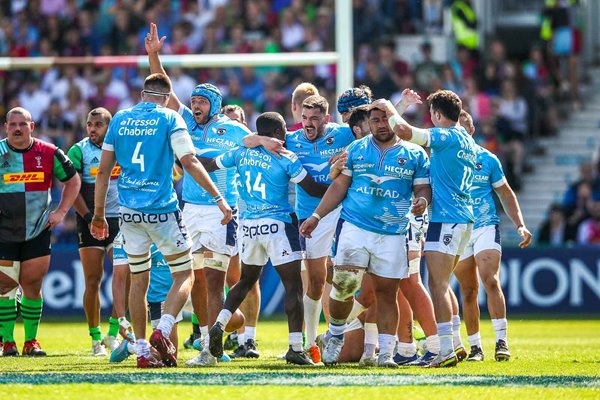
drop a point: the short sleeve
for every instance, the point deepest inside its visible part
(109, 139)
(76, 156)
(293, 167)
(496, 174)
(421, 176)
(227, 159)
(177, 123)
(63, 168)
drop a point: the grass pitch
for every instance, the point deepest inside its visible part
(551, 359)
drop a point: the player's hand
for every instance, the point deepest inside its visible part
(525, 235)
(99, 228)
(409, 97)
(338, 166)
(226, 210)
(335, 157)
(308, 227)
(384, 105)
(55, 218)
(419, 206)
(272, 145)
(152, 42)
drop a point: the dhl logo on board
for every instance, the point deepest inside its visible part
(114, 174)
(24, 177)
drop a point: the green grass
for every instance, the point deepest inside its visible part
(551, 359)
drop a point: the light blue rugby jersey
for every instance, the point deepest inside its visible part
(487, 176)
(160, 274)
(218, 136)
(141, 139)
(453, 154)
(264, 180)
(380, 196)
(315, 156)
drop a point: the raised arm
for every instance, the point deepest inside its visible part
(153, 46)
(408, 98)
(401, 128)
(511, 207)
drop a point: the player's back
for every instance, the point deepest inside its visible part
(453, 157)
(263, 180)
(140, 138)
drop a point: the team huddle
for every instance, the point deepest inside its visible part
(371, 196)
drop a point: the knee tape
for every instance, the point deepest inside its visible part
(219, 262)
(414, 266)
(12, 271)
(183, 263)
(139, 264)
(198, 261)
(345, 283)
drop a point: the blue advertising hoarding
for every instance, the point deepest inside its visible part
(534, 281)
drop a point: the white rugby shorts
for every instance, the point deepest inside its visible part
(267, 238)
(483, 238)
(448, 238)
(381, 255)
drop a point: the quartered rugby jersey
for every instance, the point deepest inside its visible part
(379, 198)
(140, 136)
(25, 183)
(263, 181)
(453, 154)
(86, 158)
(487, 176)
(314, 156)
(218, 136)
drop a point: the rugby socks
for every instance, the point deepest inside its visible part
(195, 325)
(204, 336)
(457, 341)
(224, 317)
(337, 327)
(31, 311)
(95, 333)
(166, 324)
(242, 338)
(500, 326)
(357, 309)
(445, 332)
(295, 340)
(475, 340)
(370, 339)
(8, 315)
(407, 349)
(312, 312)
(142, 348)
(386, 343)
(249, 333)
(432, 344)
(113, 327)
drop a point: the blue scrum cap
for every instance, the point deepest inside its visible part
(351, 98)
(212, 93)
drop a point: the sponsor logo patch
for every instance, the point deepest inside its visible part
(24, 177)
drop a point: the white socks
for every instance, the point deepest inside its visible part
(166, 324)
(312, 312)
(295, 340)
(370, 339)
(445, 333)
(432, 343)
(500, 327)
(249, 333)
(456, 340)
(475, 340)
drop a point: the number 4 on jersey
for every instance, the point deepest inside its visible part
(138, 158)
